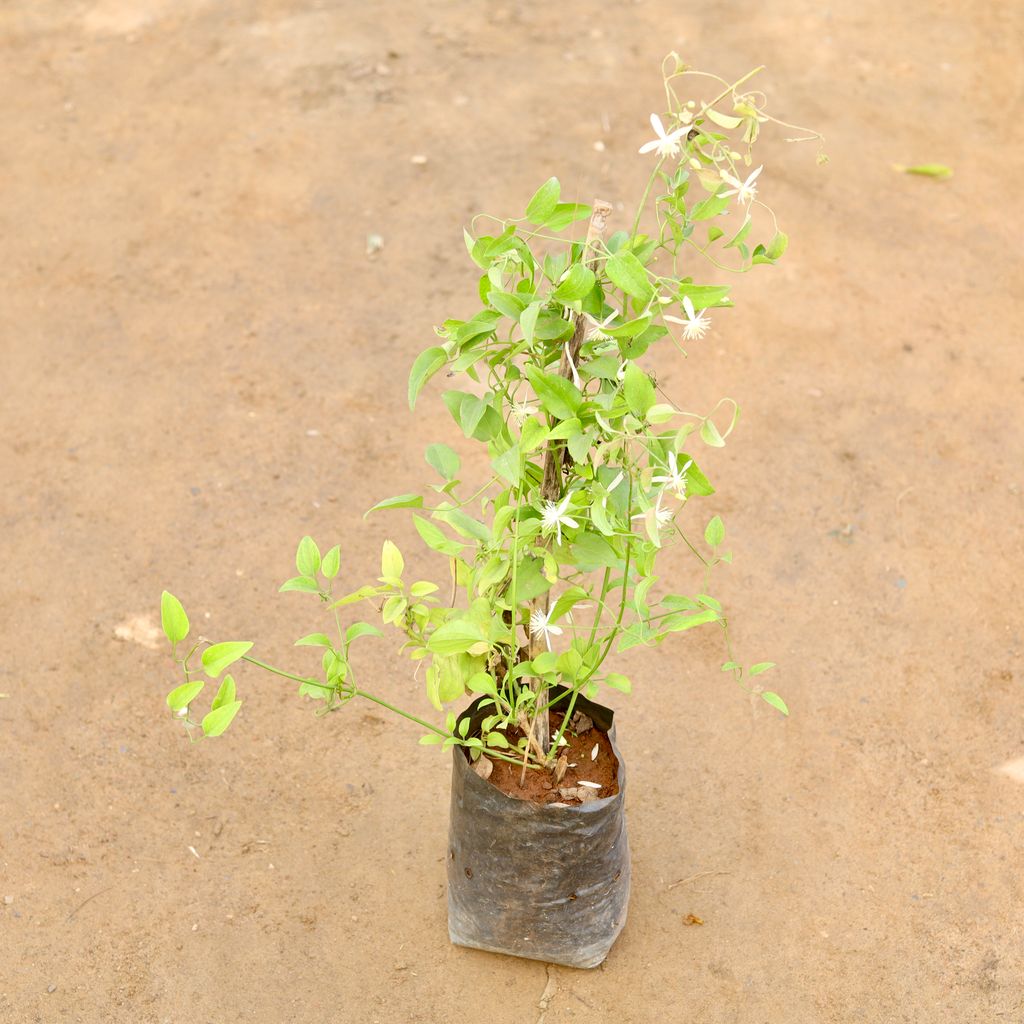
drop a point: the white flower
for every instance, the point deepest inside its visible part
(695, 325)
(666, 145)
(595, 332)
(675, 479)
(553, 516)
(540, 626)
(522, 410)
(656, 517)
(743, 191)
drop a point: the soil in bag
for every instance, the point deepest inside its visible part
(545, 880)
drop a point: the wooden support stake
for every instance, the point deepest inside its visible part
(555, 454)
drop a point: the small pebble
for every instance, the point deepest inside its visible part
(419, 159)
(589, 785)
(8, 900)
(50, 989)
(195, 927)
(593, 753)
(599, 146)
(374, 244)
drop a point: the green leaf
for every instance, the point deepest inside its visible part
(358, 595)
(723, 120)
(399, 501)
(302, 583)
(181, 696)
(638, 389)
(394, 608)
(627, 272)
(444, 460)
(463, 524)
(391, 562)
(565, 213)
(217, 657)
(709, 435)
(559, 396)
(315, 640)
(331, 562)
(578, 283)
(423, 588)
(508, 465)
(173, 618)
(714, 532)
(482, 682)
(678, 622)
(618, 682)
(426, 365)
(460, 636)
(591, 551)
(708, 208)
(544, 201)
(775, 700)
(704, 296)
(533, 436)
(220, 718)
(696, 482)
(505, 303)
(358, 629)
(761, 666)
(660, 413)
(430, 739)
(226, 693)
(528, 321)
(579, 445)
(307, 557)
(474, 415)
(777, 246)
(530, 579)
(434, 538)
(939, 171)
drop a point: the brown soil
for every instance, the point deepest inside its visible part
(540, 785)
(200, 362)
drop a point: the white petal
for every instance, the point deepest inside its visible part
(569, 521)
(658, 127)
(555, 630)
(674, 319)
(729, 179)
(688, 306)
(648, 147)
(755, 174)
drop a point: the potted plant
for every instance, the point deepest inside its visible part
(589, 471)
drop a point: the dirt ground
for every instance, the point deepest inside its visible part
(200, 363)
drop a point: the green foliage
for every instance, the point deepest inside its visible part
(173, 618)
(549, 562)
(217, 657)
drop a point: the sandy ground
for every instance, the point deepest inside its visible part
(186, 190)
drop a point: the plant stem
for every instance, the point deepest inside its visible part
(399, 711)
(355, 693)
(286, 675)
